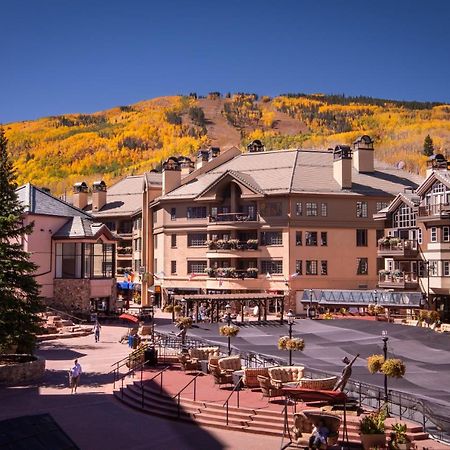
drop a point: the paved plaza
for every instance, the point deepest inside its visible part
(94, 419)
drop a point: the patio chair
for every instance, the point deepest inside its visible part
(267, 388)
(188, 364)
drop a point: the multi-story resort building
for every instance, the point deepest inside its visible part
(416, 245)
(296, 224)
(75, 255)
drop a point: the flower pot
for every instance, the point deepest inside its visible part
(370, 441)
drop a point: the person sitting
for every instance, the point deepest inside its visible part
(319, 435)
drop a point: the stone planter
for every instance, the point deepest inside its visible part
(16, 369)
(370, 441)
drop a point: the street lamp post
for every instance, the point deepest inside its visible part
(228, 319)
(310, 304)
(375, 296)
(385, 338)
(184, 305)
(291, 319)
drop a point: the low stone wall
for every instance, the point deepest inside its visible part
(16, 369)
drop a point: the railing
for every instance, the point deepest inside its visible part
(236, 388)
(132, 372)
(66, 314)
(233, 217)
(434, 210)
(131, 359)
(233, 244)
(395, 246)
(398, 279)
(231, 272)
(178, 395)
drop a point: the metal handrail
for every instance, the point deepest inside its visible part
(227, 401)
(178, 395)
(136, 351)
(141, 366)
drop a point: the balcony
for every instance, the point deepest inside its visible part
(397, 248)
(398, 280)
(232, 244)
(231, 272)
(124, 252)
(433, 212)
(234, 217)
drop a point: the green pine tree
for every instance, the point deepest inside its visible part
(19, 291)
(428, 147)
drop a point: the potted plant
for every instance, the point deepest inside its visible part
(177, 309)
(286, 343)
(252, 272)
(252, 244)
(394, 368)
(210, 271)
(374, 363)
(229, 330)
(399, 438)
(168, 308)
(229, 272)
(233, 243)
(212, 245)
(371, 428)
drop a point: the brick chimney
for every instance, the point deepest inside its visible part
(342, 166)
(363, 154)
(80, 195)
(98, 195)
(202, 158)
(171, 175)
(186, 164)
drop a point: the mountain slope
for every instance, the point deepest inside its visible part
(60, 150)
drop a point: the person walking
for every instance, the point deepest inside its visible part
(97, 328)
(74, 376)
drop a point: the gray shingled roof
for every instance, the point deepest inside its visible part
(80, 227)
(300, 171)
(37, 201)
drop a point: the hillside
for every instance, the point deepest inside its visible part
(57, 151)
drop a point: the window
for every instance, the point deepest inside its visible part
(272, 238)
(196, 212)
(298, 209)
(298, 267)
(362, 266)
(433, 268)
(173, 213)
(433, 232)
(311, 209)
(271, 209)
(272, 266)
(126, 227)
(324, 209)
(404, 217)
(361, 209)
(298, 238)
(323, 238)
(323, 267)
(137, 265)
(155, 241)
(446, 234)
(361, 238)
(155, 265)
(381, 205)
(419, 235)
(84, 260)
(311, 238)
(137, 223)
(311, 267)
(173, 240)
(137, 244)
(446, 268)
(196, 239)
(111, 225)
(173, 267)
(196, 266)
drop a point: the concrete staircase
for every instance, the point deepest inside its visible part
(262, 422)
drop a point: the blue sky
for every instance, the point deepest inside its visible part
(61, 56)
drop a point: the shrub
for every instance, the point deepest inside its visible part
(282, 342)
(177, 308)
(168, 308)
(184, 322)
(374, 363)
(286, 343)
(373, 423)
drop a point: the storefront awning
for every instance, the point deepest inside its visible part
(230, 297)
(125, 285)
(362, 298)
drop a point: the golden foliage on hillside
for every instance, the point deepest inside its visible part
(60, 150)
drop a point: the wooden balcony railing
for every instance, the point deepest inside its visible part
(390, 246)
(398, 279)
(440, 209)
(231, 272)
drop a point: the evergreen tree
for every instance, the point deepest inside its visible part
(428, 147)
(19, 291)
